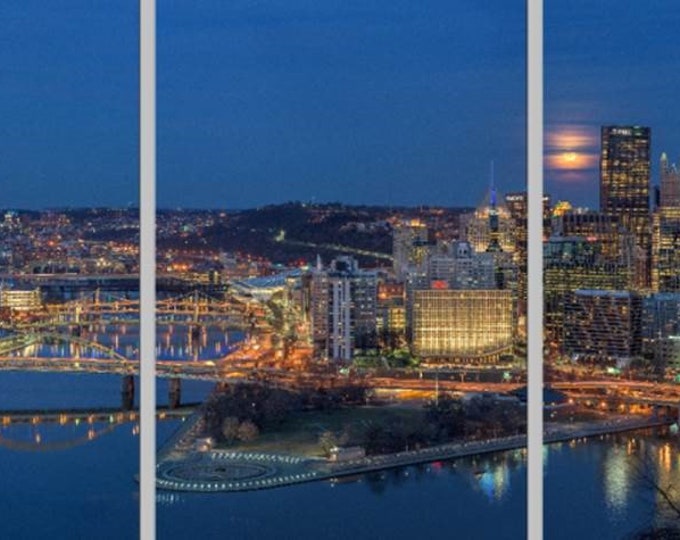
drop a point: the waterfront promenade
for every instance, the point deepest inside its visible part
(182, 469)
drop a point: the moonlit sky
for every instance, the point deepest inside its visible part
(400, 102)
(607, 63)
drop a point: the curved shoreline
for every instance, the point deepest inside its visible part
(224, 471)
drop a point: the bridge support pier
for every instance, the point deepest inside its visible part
(175, 393)
(127, 393)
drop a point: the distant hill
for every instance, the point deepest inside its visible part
(282, 233)
(294, 231)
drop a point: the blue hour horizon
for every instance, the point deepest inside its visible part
(260, 104)
(383, 106)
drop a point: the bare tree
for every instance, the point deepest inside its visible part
(644, 467)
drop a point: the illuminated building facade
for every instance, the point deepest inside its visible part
(343, 309)
(491, 229)
(413, 281)
(410, 247)
(603, 327)
(661, 330)
(625, 184)
(517, 205)
(391, 313)
(462, 325)
(665, 269)
(463, 268)
(670, 184)
(593, 226)
(476, 228)
(20, 300)
(573, 263)
(665, 265)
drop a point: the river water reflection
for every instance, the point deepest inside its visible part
(594, 489)
(76, 480)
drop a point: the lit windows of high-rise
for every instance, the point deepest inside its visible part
(476, 228)
(670, 184)
(625, 183)
(343, 308)
(604, 327)
(661, 330)
(410, 247)
(665, 260)
(574, 263)
(665, 267)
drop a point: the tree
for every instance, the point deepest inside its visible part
(230, 429)
(446, 416)
(247, 431)
(276, 406)
(494, 418)
(645, 467)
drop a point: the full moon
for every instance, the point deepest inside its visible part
(570, 157)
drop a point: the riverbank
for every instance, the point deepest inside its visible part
(182, 469)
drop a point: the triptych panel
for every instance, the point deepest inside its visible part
(610, 271)
(69, 292)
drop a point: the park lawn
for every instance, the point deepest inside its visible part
(299, 435)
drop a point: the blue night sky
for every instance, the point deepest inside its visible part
(400, 102)
(69, 103)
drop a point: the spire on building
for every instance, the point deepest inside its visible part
(494, 245)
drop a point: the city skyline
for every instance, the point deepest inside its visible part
(305, 345)
(606, 64)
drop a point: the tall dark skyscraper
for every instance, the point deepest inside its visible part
(625, 183)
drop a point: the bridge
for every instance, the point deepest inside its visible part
(94, 423)
(74, 283)
(195, 308)
(61, 323)
(624, 395)
(207, 370)
(106, 415)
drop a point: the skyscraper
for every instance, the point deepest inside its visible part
(670, 184)
(517, 205)
(625, 182)
(409, 247)
(665, 272)
(605, 326)
(343, 308)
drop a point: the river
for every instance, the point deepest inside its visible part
(76, 481)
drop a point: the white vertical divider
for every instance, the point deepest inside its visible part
(535, 268)
(147, 270)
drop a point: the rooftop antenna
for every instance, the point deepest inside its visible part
(492, 188)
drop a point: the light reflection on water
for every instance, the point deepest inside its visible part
(616, 479)
(609, 481)
(601, 481)
(173, 342)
